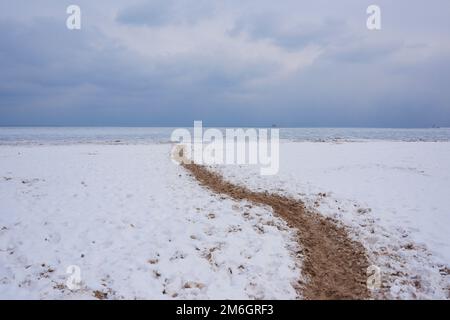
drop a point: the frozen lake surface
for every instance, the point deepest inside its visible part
(136, 135)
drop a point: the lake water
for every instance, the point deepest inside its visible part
(134, 135)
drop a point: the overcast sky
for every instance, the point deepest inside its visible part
(228, 63)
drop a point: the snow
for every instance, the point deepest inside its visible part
(393, 195)
(140, 227)
(137, 226)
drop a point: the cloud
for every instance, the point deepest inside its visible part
(288, 35)
(234, 63)
(156, 13)
(87, 77)
(362, 51)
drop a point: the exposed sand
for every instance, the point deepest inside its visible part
(334, 264)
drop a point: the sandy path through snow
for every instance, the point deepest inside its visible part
(334, 264)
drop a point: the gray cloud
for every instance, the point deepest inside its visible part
(245, 68)
(294, 36)
(360, 51)
(87, 78)
(155, 13)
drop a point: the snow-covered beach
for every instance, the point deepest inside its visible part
(213, 154)
(393, 195)
(139, 226)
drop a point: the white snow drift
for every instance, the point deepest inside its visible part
(137, 226)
